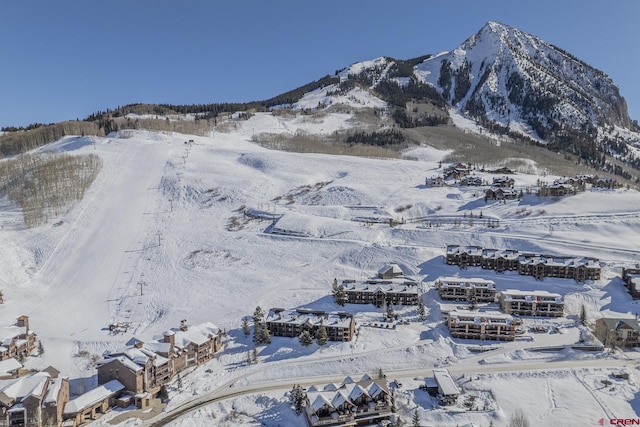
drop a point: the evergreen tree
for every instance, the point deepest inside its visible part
(249, 359)
(342, 296)
(305, 338)
(179, 384)
(257, 334)
(266, 335)
(296, 398)
(40, 348)
(258, 315)
(321, 335)
(254, 356)
(381, 374)
(339, 293)
(292, 395)
(421, 311)
(416, 419)
(390, 312)
(583, 315)
(246, 329)
(261, 333)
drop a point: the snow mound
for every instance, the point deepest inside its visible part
(256, 161)
(206, 259)
(336, 195)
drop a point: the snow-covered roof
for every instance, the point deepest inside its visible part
(517, 294)
(365, 377)
(457, 249)
(446, 384)
(9, 335)
(474, 282)
(197, 334)
(310, 317)
(384, 286)
(9, 365)
(559, 261)
(54, 390)
(348, 380)
(334, 395)
(20, 388)
(318, 400)
(339, 399)
(375, 389)
(128, 363)
(331, 387)
(478, 317)
(615, 323)
(355, 391)
(511, 254)
(137, 356)
(158, 346)
(393, 269)
(92, 397)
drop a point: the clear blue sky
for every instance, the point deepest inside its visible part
(65, 59)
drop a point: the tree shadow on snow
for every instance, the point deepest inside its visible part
(277, 413)
(619, 298)
(282, 348)
(635, 403)
(433, 268)
(238, 337)
(474, 205)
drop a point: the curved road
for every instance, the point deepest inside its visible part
(227, 390)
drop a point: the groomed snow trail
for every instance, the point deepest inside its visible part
(80, 286)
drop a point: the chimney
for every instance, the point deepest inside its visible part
(183, 325)
(23, 322)
(170, 338)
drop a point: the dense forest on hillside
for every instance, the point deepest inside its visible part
(20, 140)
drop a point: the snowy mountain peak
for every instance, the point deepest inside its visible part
(503, 79)
(504, 76)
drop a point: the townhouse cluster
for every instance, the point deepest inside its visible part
(501, 325)
(528, 264)
(511, 301)
(623, 330)
(390, 286)
(143, 368)
(492, 324)
(18, 341)
(340, 326)
(132, 375)
(28, 398)
(364, 402)
(502, 188)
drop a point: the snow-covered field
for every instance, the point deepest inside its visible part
(173, 231)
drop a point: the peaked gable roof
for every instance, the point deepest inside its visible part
(392, 269)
